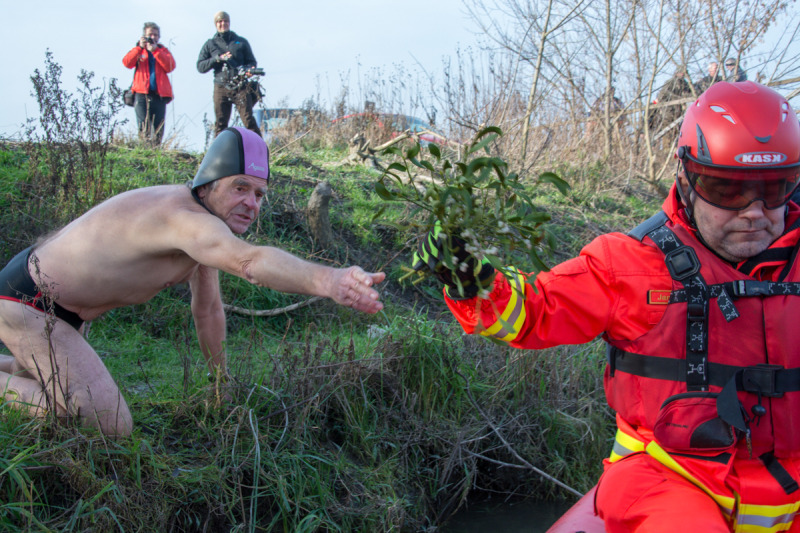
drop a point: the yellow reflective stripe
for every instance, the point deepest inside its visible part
(513, 315)
(753, 518)
(726, 503)
(624, 444)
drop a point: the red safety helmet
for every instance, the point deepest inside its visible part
(739, 143)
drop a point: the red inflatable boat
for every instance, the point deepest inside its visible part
(580, 518)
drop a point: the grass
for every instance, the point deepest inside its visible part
(335, 421)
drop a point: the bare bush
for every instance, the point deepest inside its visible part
(548, 73)
(68, 145)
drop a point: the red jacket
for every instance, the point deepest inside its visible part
(619, 287)
(165, 63)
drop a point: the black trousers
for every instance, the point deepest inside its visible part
(243, 98)
(151, 110)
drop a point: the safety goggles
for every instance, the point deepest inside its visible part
(735, 188)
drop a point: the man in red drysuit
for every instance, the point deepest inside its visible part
(699, 307)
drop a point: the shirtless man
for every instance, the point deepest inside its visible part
(126, 250)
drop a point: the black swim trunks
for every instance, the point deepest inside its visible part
(17, 285)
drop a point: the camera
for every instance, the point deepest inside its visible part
(249, 71)
(149, 40)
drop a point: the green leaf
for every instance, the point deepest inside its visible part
(538, 264)
(550, 177)
(496, 262)
(476, 164)
(397, 166)
(393, 150)
(487, 130)
(482, 144)
(380, 212)
(412, 152)
(434, 150)
(383, 192)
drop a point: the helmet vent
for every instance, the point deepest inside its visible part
(724, 112)
(763, 139)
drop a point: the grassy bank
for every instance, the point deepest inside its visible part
(335, 421)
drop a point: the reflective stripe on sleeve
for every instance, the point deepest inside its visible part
(508, 325)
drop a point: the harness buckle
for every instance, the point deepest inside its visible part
(762, 379)
(750, 287)
(682, 263)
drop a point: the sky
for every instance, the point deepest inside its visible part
(304, 46)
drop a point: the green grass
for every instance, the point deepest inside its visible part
(335, 421)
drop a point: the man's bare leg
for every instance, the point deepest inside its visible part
(58, 370)
(6, 364)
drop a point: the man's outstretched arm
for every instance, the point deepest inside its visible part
(210, 242)
(279, 270)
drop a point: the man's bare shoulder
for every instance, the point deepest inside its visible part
(149, 218)
(151, 198)
(161, 206)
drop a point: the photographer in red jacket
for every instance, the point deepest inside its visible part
(151, 86)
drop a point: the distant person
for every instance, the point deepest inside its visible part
(712, 77)
(676, 88)
(151, 85)
(127, 249)
(597, 113)
(226, 53)
(733, 71)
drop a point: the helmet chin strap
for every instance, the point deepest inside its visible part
(685, 198)
(689, 209)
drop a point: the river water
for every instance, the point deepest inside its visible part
(530, 516)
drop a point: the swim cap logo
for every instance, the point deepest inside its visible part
(256, 167)
(761, 158)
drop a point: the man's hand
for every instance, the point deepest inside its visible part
(352, 287)
(447, 258)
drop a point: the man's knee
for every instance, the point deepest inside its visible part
(26, 394)
(105, 409)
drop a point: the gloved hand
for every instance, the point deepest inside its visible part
(447, 258)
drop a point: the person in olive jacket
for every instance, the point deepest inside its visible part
(227, 53)
(151, 87)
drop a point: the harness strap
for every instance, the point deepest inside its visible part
(743, 288)
(654, 222)
(768, 380)
(726, 293)
(684, 267)
(787, 483)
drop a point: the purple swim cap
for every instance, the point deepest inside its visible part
(234, 151)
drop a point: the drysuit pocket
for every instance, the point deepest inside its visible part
(689, 422)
